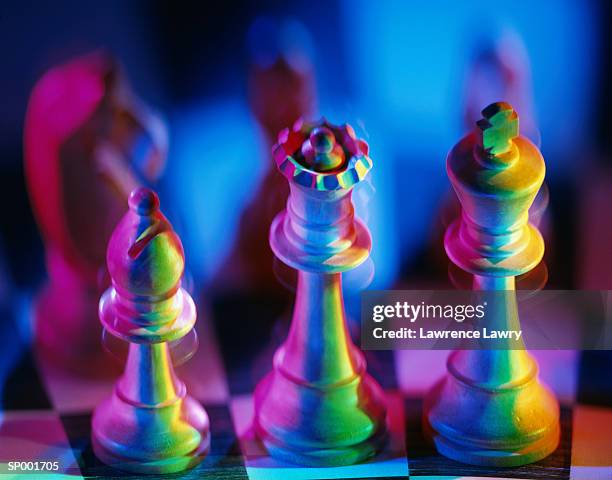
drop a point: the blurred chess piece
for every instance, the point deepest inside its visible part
(281, 89)
(88, 142)
(149, 424)
(490, 408)
(500, 69)
(281, 74)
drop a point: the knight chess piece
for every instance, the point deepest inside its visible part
(490, 408)
(88, 142)
(149, 424)
(319, 406)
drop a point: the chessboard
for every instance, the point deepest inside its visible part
(47, 411)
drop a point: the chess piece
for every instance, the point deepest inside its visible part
(490, 408)
(149, 424)
(319, 406)
(281, 89)
(281, 84)
(499, 68)
(88, 142)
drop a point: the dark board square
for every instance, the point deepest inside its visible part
(381, 365)
(249, 328)
(594, 386)
(23, 388)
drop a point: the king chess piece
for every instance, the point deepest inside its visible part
(490, 408)
(149, 424)
(88, 142)
(318, 406)
(500, 68)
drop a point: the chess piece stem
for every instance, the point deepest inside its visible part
(490, 408)
(319, 406)
(149, 424)
(319, 313)
(149, 377)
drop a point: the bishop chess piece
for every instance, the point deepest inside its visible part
(490, 408)
(88, 142)
(318, 406)
(149, 424)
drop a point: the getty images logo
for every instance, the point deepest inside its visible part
(413, 312)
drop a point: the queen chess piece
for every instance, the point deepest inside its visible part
(149, 424)
(490, 408)
(318, 406)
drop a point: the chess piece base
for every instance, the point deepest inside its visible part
(329, 457)
(498, 428)
(320, 426)
(474, 455)
(163, 466)
(141, 439)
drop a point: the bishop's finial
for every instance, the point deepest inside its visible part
(143, 201)
(145, 256)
